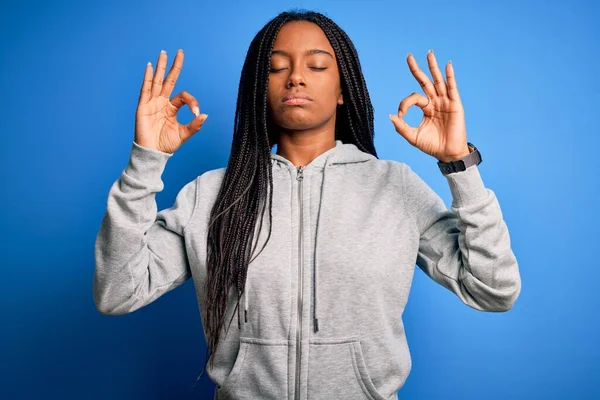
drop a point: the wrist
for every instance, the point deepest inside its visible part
(445, 159)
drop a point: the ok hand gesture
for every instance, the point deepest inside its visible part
(156, 124)
(442, 131)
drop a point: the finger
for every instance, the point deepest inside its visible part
(160, 73)
(414, 99)
(186, 98)
(146, 84)
(438, 79)
(452, 87)
(194, 126)
(405, 130)
(421, 77)
(172, 76)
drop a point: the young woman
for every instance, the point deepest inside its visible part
(319, 286)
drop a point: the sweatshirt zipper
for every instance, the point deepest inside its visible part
(300, 179)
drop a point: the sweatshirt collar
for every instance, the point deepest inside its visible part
(342, 153)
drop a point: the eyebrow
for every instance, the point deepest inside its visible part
(308, 52)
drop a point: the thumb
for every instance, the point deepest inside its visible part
(195, 125)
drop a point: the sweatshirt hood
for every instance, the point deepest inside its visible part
(342, 153)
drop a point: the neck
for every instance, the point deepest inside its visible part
(301, 147)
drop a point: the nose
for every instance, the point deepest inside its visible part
(296, 78)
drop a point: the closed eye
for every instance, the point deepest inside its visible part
(313, 68)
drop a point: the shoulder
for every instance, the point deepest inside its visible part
(212, 174)
(390, 170)
(211, 179)
(385, 164)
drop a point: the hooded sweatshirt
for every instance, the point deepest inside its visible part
(321, 313)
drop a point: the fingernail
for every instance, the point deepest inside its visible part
(450, 62)
(163, 52)
(204, 117)
(430, 50)
(409, 54)
(196, 111)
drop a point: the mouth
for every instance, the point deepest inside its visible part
(296, 101)
(297, 98)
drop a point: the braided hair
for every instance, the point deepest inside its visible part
(248, 175)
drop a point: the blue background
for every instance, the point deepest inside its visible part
(70, 78)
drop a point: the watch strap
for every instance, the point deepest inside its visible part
(473, 158)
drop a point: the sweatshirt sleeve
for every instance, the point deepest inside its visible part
(467, 248)
(140, 253)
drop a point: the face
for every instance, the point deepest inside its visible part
(304, 82)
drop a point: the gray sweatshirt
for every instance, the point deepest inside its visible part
(323, 303)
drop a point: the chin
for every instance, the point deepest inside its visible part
(298, 124)
(297, 121)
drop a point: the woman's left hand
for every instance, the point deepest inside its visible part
(442, 132)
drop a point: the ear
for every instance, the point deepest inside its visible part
(340, 99)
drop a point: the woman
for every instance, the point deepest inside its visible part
(323, 281)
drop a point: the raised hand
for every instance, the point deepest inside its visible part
(442, 131)
(156, 125)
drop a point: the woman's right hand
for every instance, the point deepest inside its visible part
(156, 125)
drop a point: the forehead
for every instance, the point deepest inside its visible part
(299, 36)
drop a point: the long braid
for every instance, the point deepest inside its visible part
(248, 176)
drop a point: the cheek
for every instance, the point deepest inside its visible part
(337, 90)
(331, 91)
(273, 103)
(270, 93)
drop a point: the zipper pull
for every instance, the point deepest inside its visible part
(300, 177)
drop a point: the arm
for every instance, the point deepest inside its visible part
(140, 254)
(467, 248)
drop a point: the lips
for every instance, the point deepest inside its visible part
(297, 98)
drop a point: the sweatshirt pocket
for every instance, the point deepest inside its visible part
(259, 371)
(337, 370)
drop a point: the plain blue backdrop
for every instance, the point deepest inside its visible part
(70, 78)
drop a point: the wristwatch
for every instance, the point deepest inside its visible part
(473, 158)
